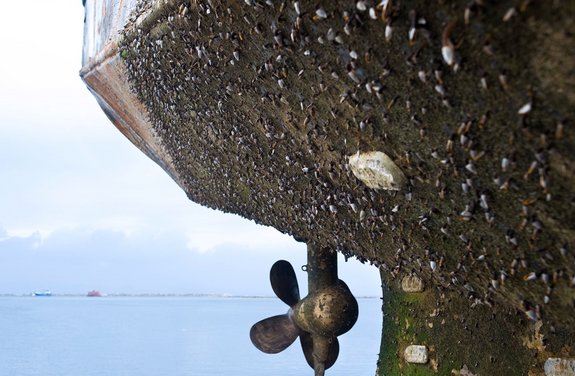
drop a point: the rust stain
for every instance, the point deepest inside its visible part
(108, 83)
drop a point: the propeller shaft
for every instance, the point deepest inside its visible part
(321, 268)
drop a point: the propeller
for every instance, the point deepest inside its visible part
(328, 311)
(276, 333)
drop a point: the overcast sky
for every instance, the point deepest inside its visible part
(81, 208)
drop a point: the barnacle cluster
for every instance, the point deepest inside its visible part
(260, 103)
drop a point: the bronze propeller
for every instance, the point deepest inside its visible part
(328, 311)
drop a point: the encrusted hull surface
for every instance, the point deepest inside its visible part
(255, 109)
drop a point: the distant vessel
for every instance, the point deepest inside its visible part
(42, 293)
(94, 293)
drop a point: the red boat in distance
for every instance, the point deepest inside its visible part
(94, 293)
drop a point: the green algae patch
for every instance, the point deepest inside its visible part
(405, 323)
(456, 333)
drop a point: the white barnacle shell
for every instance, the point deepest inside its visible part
(448, 54)
(531, 315)
(388, 32)
(422, 76)
(376, 170)
(383, 4)
(297, 7)
(525, 109)
(411, 33)
(321, 13)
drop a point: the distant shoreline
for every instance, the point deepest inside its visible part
(146, 295)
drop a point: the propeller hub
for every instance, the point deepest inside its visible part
(329, 312)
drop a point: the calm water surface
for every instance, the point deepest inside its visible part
(168, 336)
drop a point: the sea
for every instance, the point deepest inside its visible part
(163, 336)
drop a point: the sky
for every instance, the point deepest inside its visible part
(81, 208)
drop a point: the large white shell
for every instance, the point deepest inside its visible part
(376, 170)
(559, 367)
(415, 354)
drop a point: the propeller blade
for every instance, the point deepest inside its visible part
(284, 282)
(274, 334)
(307, 347)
